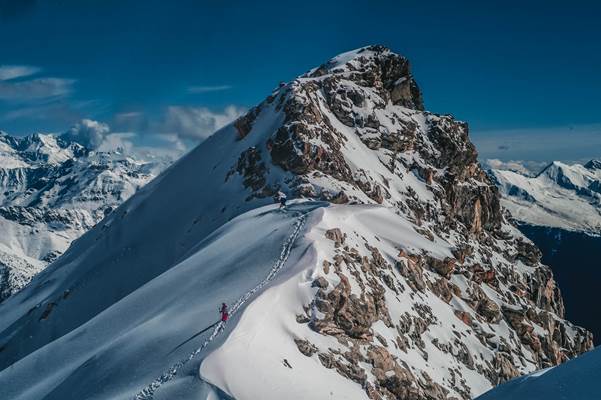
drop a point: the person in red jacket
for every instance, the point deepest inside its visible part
(224, 312)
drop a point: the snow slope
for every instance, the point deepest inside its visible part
(561, 196)
(52, 190)
(403, 281)
(130, 341)
(576, 379)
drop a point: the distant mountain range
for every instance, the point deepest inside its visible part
(52, 190)
(559, 209)
(560, 196)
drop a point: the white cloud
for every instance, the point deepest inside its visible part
(122, 141)
(196, 123)
(522, 166)
(88, 133)
(205, 89)
(35, 89)
(8, 72)
(128, 115)
(98, 136)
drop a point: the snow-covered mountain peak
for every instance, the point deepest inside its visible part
(560, 196)
(39, 149)
(393, 274)
(593, 165)
(52, 190)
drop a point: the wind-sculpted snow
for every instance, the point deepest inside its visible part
(148, 392)
(132, 341)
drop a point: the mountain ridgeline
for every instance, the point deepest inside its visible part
(394, 274)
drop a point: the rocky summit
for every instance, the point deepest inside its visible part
(354, 131)
(393, 273)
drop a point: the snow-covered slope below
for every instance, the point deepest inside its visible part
(561, 196)
(52, 190)
(130, 343)
(577, 379)
(394, 274)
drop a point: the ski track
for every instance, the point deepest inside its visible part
(148, 392)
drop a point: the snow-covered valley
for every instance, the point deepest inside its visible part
(393, 273)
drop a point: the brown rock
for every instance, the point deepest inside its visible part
(335, 235)
(305, 347)
(320, 282)
(443, 267)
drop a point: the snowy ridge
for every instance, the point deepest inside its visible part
(410, 284)
(148, 392)
(560, 196)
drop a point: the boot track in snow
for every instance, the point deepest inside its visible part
(148, 392)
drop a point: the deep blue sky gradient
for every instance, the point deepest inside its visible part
(498, 65)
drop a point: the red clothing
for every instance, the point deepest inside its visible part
(224, 314)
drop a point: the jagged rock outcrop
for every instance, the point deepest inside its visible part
(354, 130)
(410, 284)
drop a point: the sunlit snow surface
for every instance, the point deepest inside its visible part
(106, 319)
(118, 352)
(561, 196)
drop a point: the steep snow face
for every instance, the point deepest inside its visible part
(51, 192)
(413, 285)
(576, 379)
(561, 196)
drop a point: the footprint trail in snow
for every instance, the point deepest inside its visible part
(148, 392)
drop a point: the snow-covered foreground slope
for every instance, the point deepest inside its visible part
(578, 379)
(394, 274)
(119, 351)
(52, 190)
(561, 196)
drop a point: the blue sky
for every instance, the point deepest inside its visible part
(184, 67)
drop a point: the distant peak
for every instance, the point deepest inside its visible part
(593, 164)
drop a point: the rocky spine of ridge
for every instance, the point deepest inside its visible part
(367, 103)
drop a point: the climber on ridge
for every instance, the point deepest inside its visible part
(282, 199)
(224, 312)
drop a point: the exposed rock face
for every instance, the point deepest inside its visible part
(354, 130)
(416, 288)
